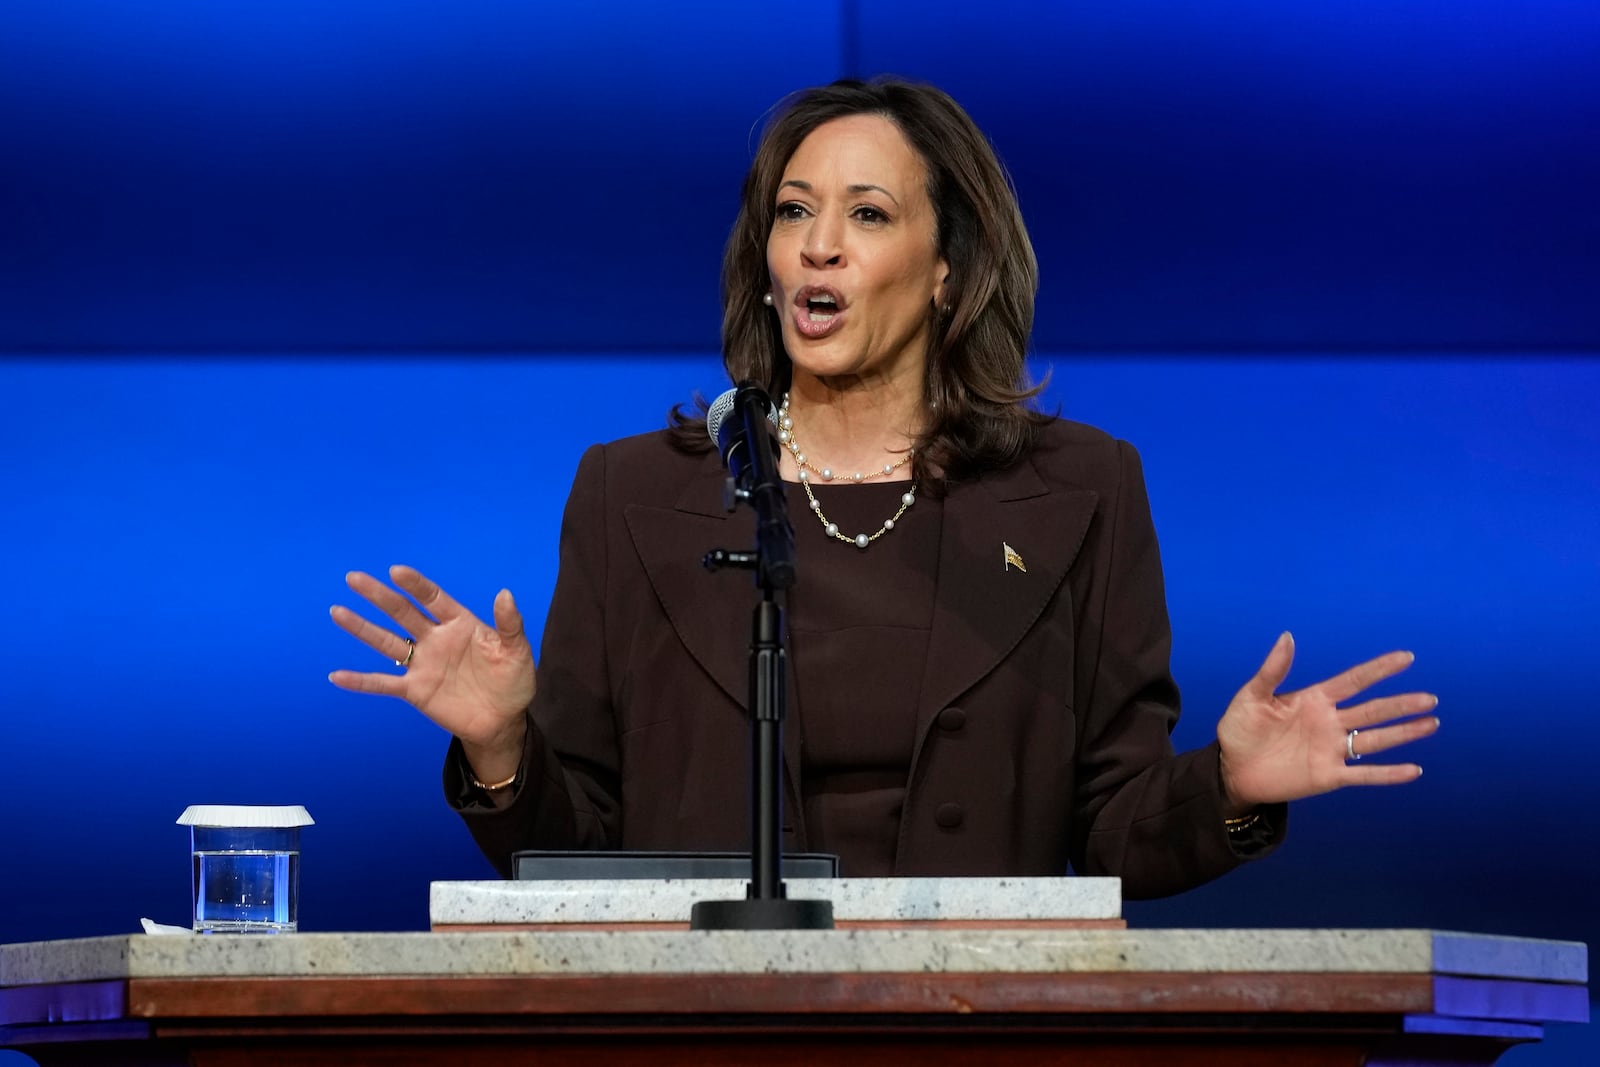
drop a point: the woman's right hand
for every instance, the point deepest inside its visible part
(472, 679)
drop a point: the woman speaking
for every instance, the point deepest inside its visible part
(978, 637)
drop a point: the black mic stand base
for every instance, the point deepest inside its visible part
(767, 914)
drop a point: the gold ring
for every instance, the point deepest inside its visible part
(411, 650)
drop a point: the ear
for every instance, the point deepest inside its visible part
(941, 270)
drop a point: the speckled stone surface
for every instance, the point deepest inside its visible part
(854, 899)
(839, 951)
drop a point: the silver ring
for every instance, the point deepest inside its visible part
(1350, 745)
(411, 650)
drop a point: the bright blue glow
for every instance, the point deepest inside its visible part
(178, 528)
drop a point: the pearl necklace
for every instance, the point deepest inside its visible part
(786, 437)
(861, 540)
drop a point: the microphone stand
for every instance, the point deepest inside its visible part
(756, 482)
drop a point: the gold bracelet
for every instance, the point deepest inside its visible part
(495, 787)
(1242, 823)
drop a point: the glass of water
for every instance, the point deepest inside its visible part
(246, 867)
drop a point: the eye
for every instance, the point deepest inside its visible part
(870, 215)
(790, 211)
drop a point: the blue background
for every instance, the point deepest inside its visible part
(290, 290)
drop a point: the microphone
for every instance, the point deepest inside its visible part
(726, 430)
(732, 420)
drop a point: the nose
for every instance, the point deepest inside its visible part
(824, 245)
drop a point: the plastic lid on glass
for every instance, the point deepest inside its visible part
(244, 815)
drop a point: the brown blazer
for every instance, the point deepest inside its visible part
(1044, 713)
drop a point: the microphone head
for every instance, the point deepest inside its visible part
(717, 417)
(722, 427)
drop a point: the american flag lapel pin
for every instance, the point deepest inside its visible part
(1012, 559)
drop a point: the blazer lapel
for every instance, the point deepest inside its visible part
(985, 602)
(711, 613)
(707, 610)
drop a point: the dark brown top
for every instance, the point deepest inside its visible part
(1042, 715)
(859, 620)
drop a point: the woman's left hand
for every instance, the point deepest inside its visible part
(1284, 746)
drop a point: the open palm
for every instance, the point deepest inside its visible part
(473, 679)
(1284, 746)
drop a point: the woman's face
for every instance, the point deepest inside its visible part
(855, 267)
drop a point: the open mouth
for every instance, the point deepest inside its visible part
(822, 307)
(819, 310)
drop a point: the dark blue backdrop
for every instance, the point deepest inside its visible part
(289, 290)
(402, 175)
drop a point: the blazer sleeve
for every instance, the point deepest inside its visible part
(568, 794)
(1152, 818)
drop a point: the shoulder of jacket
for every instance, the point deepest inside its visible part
(647, 466)
(1079, 455)
(641, 447)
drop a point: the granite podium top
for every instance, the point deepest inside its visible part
(859, 951)
(855, 900)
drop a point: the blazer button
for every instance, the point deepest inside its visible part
(950, 816)
(952, 719)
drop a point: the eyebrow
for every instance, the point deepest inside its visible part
(853, 190)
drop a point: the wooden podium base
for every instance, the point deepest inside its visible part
(788, 999)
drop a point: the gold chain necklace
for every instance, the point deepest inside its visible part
(861, 540)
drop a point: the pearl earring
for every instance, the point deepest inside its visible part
(766, 298)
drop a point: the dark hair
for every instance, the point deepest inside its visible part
(977, 383)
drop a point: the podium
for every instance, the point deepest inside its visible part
(918, 973)
(881, 996)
